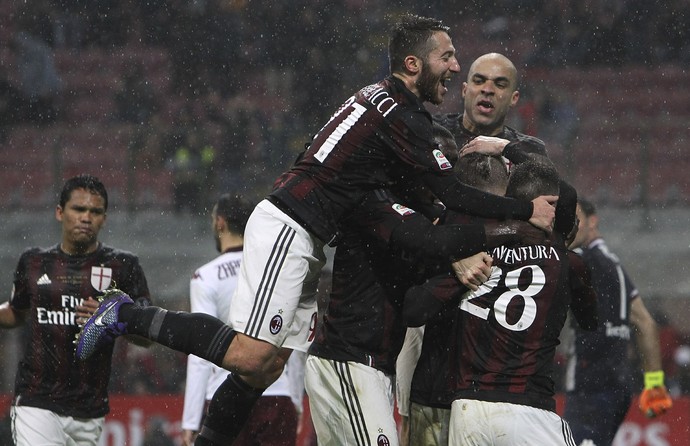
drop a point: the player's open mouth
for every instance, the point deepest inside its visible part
(443, 82)
(485, 106)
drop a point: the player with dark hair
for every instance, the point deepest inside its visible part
(59, 399)
(599, 372)
(507, 330)
(351, 362)
(422, 390)
(381, 135)
(489, 93)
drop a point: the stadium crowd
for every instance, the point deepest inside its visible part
(238, 90)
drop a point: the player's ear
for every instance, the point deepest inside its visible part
(58, 213)
(413, 64)
(515, 98)
(219, 224)
(594, 221)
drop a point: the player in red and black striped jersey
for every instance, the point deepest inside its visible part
(50, 289)
(423, 393)
(362, 330)
(381, 135)
(507, 330)
(489, 93)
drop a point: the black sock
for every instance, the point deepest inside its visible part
(228, 412)
(193, 333)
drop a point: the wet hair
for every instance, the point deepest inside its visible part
(83, 181)
(535, 177)
(488, 173)
(235, 210)
(587, 207)
(410, 36)
(442, 136)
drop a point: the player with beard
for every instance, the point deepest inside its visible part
(382, 134)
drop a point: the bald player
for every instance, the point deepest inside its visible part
(490, 92)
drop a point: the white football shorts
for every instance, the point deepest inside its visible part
(350, 403)
(32, 426)
(482, 423)
(275, 298)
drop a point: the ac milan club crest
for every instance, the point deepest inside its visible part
(101, 277)
(382, 440)
(276, 324)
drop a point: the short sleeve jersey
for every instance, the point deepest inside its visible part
(49, 284)
(601, 359)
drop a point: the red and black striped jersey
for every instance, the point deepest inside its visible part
(520, 142)
(381, 136)
(362, 321)
(385, 248)
(49, 284)
(508, 330)
(504, 335)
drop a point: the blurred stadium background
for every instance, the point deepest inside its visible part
(171, 102)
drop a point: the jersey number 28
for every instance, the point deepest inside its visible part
(501, 304)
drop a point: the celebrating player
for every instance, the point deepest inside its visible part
(507, 330)
(274, 418)
(382, 134)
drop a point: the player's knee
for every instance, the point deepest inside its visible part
(251, 357)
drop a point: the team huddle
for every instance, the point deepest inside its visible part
(453, 277)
